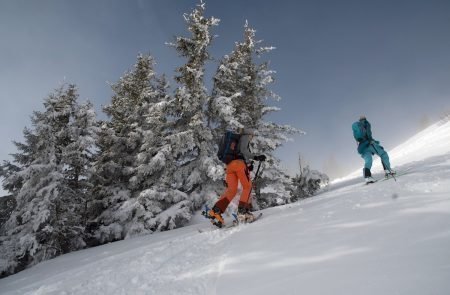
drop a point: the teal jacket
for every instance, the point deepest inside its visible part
(363, 135)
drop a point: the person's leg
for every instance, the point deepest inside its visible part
(367, 156)
(244, 177)
(379, 150)
(232, 186)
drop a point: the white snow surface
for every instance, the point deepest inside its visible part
(391, 237)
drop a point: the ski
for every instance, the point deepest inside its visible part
(228, 225)
(255, 218)
(398, 174)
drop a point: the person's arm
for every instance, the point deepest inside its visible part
(369, 132)
(244, 148)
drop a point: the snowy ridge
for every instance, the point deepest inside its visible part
(432, 141)
(387, 238)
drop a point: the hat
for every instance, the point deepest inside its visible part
(362, 117)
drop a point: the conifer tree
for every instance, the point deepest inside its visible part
(196, 171)
(133, 152)
(177, 166)
(47, 220)
(121, 137)
(152, 156)
(79, 154)
(157, 206)
(241, 89)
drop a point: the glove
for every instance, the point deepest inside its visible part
(260, 158)
(250, 166)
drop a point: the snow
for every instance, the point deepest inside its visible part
(392, 237)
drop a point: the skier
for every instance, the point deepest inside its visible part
(367, 147)
(238, 170)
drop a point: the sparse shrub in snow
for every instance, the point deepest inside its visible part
(308, 182)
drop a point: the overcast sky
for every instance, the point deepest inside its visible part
(335, 60)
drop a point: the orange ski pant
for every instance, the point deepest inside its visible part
(236, 171)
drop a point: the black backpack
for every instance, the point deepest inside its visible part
(229, 147)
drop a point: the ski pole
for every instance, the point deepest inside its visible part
(254, 179)
(251, 188)
(257, 171)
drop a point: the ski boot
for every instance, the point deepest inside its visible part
(215, 216)
(368, 176)
(389, 173)
(244, 215)
(369, 179)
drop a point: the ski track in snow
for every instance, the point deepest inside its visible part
(391, 237)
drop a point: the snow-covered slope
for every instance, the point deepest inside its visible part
(387, 238)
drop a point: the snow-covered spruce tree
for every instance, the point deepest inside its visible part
(79, 155)
(47, 220)
(235, 102)
(132, 155)
(153, 153)
(308, 181)
(195, 173)
(7, 206)
(240, 94)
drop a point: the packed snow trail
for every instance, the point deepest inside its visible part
(386, 238)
